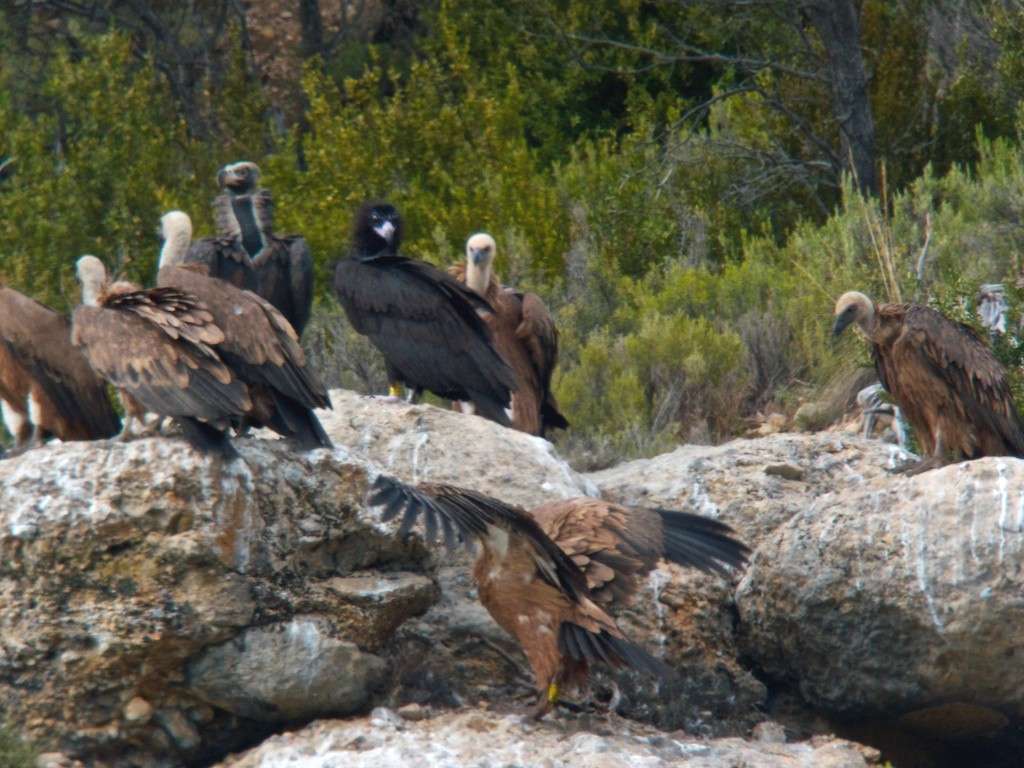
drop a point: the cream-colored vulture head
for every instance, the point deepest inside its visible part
(176, 230)
(854, 307)
(480, 252)
(93, 277)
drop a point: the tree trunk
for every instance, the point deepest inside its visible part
(837, 25)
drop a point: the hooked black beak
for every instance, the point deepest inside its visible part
(841, 322)
(479, 255)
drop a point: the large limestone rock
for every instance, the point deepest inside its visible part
(899, 596)
(421, 443)
(484, 739)
(753, 485)
(158, 606)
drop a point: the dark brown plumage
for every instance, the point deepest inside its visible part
(545, 575)
(156, 346)
(422, 319)
(48, 386)
(259, 344)
(248, 254)
(951, 388)
(524, 335)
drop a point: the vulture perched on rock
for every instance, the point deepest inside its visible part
(47, 386)
(248, 254)
(950, 387)
(524, 335)
(259, 345)
(423, 320)
(547, 575)
(156, 346)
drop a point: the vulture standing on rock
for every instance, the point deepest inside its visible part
(248, 254)
(423, 320)
(524, 335)
(46, 385)
(547, 575)
(951, 388)
(259, 345)
(156, 346)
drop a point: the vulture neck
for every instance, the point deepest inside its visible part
(478, 276)
(175, 246)
(92, 286)
(245, 214)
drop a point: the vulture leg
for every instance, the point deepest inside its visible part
(126, 429)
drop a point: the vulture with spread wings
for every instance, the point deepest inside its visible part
(546, 576)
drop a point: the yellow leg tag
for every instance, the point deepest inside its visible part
(553, 693)
(395, 390)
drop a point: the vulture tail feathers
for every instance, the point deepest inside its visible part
(297, 422)
(551, 418)
(491, 409)
(582, 645)
(206, 438)
(701, 542)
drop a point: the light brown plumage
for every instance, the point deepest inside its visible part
(39, 366)
(156, 346)
(524, 335)
(542, 574)
(950, 386)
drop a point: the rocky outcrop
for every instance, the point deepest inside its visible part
(157, 606)
(898, 595)
(384, 740)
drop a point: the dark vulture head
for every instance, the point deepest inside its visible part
(377, 229)
(854, 307)
(239, 178)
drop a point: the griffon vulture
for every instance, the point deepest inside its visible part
(422, 319)
(47, 386)
(950, 387)
(259, 344)
(547, 575)
(156, 346)
(248, 254)
(524, 335)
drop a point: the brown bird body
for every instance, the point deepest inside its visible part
(547, 575)
(259, 345)
(156, 346)
(950, 386)
(48, 386)
(524, 335)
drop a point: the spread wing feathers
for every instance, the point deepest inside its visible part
(284, 271)
(474, 514)
(590, 647)
(426, 325)
(931, 345)
(615, 545)
(225, 260)
(168, 373)
(39, 339)
(257, 341)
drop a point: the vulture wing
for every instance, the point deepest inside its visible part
(955, 355)
(225, 260)
(616, 545)
(471, 514)
(426, 325)
(540, 337)
(39, 338)
(285, 274)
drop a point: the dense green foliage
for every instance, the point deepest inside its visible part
(690, 299)
(15, 752)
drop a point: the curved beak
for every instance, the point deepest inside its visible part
(479, 255)
(386, 231)
(840, 326)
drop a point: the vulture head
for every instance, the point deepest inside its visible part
(239, 178)
(377, 229)
(93, 276)
(854, 307)
(176, 231)
(480, 251)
